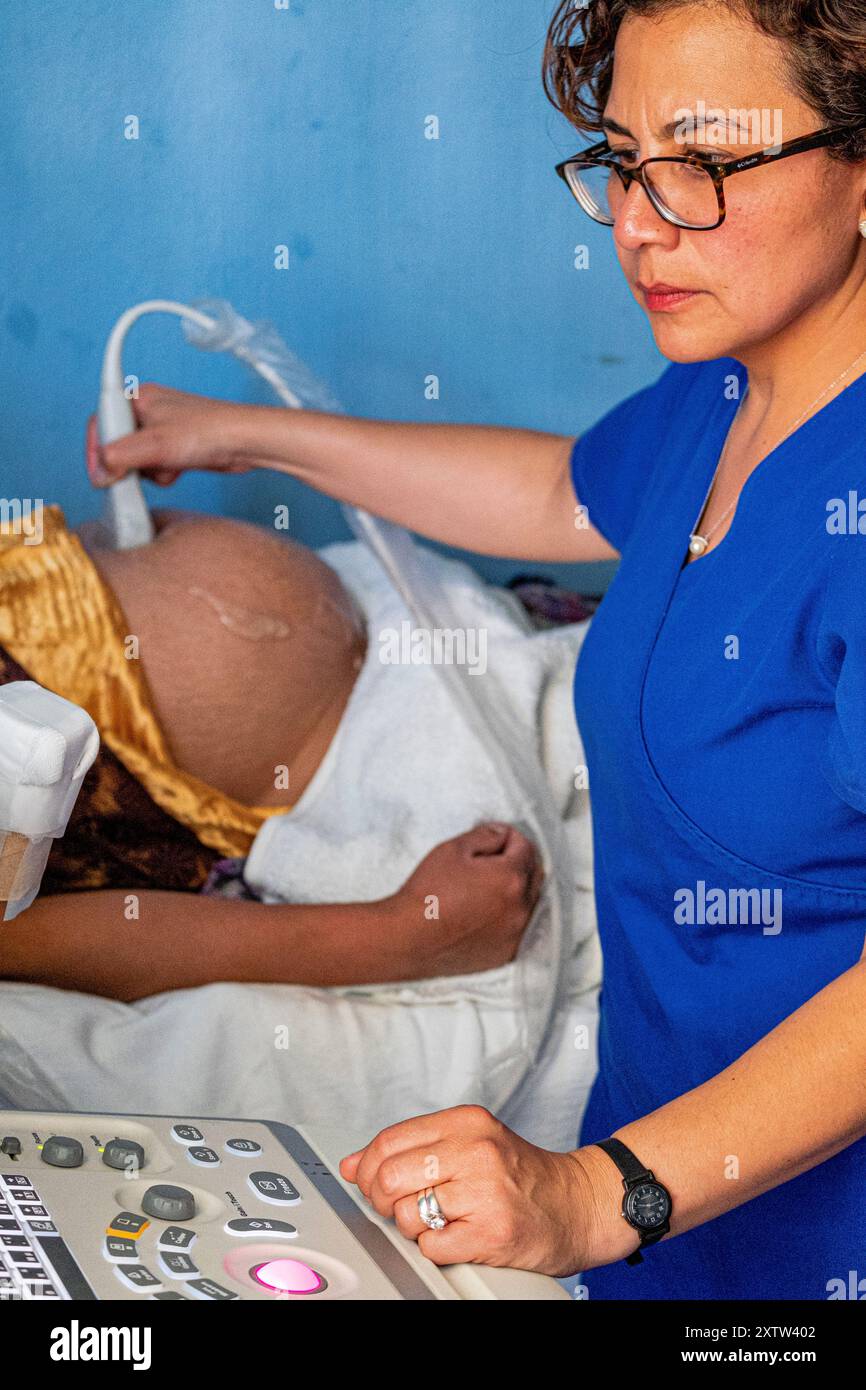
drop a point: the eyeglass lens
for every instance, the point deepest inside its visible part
(685, 190)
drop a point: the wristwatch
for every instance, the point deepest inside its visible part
(647, 1203)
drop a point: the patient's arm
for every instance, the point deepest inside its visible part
(485, 884)
(82, 941)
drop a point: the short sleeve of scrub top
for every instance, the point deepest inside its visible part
(722, 709)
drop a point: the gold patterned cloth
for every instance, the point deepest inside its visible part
(62, 624)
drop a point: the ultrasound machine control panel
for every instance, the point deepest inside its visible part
(172, 1208)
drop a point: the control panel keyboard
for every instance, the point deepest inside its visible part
(131, 1207)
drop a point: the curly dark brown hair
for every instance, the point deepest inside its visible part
(825, 42)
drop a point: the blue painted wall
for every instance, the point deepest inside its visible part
(297, 122)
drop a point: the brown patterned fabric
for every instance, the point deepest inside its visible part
(118, 837)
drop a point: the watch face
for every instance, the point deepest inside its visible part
(648, 1205)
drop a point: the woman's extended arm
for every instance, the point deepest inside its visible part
(793, 1100)
(495, 490)
(87, 942)
(490, 489)
(131, 944)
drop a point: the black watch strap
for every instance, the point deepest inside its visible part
(628, 1164)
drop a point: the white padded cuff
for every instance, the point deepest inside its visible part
(47, 744)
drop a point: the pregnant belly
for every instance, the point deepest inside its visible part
(250, 645)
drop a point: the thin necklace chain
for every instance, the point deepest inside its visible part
(699, 541)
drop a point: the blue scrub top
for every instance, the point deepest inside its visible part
(722, 707)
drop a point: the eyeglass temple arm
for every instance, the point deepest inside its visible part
(765, 156)
(774, 152)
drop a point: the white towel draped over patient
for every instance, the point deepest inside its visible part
(405, 772)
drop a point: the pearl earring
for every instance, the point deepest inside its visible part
(863, 226)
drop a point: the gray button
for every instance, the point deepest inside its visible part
(258, 1225)
(243, 1146)
(178, 1265)
(120, 1249)
(123, 1153)
(63, 1152)
(137, 1277)
(209, 1288)
(171, 1295)
(16, 1180)
(168, 1203)
(11, 1146)
(186, 1134)
(273, 1187)
(175, 1238)
(205, 1158)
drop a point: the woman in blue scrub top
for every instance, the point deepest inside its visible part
(720, 693)
(721, 690)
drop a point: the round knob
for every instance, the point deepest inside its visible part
(168, 1203)
(123, 1153)
(62, 1152)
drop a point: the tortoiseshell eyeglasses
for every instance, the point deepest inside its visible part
(685, 189)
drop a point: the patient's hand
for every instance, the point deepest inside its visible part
(467, 904)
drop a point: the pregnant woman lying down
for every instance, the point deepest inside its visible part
(217, 663)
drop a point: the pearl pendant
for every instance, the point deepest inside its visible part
(697, 545)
